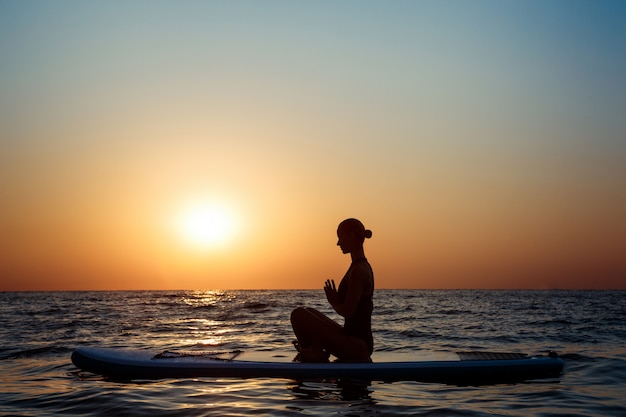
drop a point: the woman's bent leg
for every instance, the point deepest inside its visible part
(319, 336)
(309, 325)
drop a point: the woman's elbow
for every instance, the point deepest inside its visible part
(346, 313)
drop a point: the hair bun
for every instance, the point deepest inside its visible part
(355, 226)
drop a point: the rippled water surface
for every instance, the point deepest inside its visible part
(40, 330)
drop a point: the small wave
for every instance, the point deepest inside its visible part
(204, 307)
(575, 357)
(257, 306)
(551, 322)
(159, 303)
(414, 333)
(36, 352)
(452, 312)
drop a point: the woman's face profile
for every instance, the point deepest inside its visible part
(346, 240)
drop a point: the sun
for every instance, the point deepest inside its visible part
(207, 224)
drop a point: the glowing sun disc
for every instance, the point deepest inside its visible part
(207, 224)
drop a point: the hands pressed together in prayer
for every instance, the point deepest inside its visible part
(331, 291)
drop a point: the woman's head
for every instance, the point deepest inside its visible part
(352, 233)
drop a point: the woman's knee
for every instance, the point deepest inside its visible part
(308, 318)
(298, 314)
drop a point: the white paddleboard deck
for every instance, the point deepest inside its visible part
(446, 367)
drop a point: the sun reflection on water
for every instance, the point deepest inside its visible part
(206, 298)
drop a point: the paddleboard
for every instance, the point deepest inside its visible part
(445, 367)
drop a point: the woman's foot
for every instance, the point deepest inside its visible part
(310, 354)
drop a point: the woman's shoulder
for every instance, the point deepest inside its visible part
(361, 269)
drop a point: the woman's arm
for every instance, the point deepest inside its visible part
(356, 283)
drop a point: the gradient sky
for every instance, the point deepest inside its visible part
(483, 142)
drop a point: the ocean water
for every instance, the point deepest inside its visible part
(39, 331)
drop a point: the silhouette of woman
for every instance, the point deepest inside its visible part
(318, 335)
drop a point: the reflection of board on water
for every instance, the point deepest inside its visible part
(445, 367)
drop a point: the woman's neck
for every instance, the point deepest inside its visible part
(358, 255)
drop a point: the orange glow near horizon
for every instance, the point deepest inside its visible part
(136, 230)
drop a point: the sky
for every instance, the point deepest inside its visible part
(218, 144)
